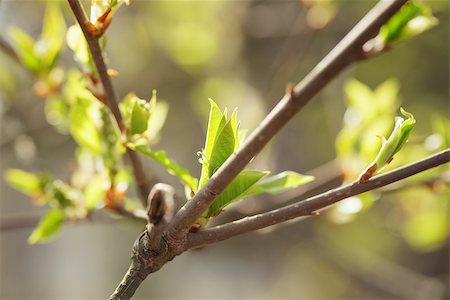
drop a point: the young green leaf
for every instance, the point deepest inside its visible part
(171, 166)
(83, 127)
(140, 115)
(411, 20)
(235, 190)
(95, 191)
(28, 183)
(23, 44)
(223, 148)
(76, 42)
(221, 141)
(391, 146)
(48, 226)
(52, 38)
(156, 121)
(278, 183)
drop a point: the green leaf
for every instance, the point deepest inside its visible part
(52, 37)
(83, 126)
(223, 148)
(77, 43)
(386, 96)
(279, 183)
(23, 44)
(27, 183)
(140, 115)
(157, 119)
(214, 121)
(172, 167)
(412, 19)
(49, 225)
(391, 146)
(95, 191)
(236, 189)
(360, 97)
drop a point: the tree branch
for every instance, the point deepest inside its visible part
(111, 95)
(9, 50)
(309, 206)
(30, 219)
(350, 49)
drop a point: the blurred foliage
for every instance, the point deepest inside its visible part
(241, 53)
(366, 118)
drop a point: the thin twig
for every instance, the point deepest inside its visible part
(6, 47)
(346, 52)
(25, 220)
(309, 206)
(19, 220)
(111, 96)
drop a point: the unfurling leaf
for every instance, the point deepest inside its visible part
(411, 20)
(49, 225)
(143, 119)
(140, 114)
(391, 146)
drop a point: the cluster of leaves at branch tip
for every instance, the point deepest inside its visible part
(411, 20)
(40, 56)
(224, 137)
(101, 15)
(100, 178)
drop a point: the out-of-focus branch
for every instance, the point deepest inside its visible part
(312, 205)
(31, 219)
(111, 96)
(349, 50)
(6, 47)
(19, 220)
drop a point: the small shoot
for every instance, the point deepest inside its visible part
(391, 146)
(411, 20)
(223, 138)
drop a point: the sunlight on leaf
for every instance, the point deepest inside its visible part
(50, 224)
(412, 19)
(83, 127)
(391, 146)
(235, 190)
(27, 183)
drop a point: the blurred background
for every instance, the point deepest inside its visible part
(393, 245)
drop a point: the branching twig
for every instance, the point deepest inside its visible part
(111, 95)
(309, 206)
(346, 52)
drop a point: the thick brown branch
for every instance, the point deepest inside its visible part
(346, 52)
(311, 205)
(111, 95)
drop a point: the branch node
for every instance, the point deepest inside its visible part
(290, 90)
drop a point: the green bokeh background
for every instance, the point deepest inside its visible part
(240, 53)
